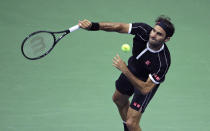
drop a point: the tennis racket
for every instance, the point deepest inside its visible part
(40, 43)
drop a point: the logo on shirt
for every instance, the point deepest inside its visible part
(147, 62)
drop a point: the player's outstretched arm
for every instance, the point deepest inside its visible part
(105, 26)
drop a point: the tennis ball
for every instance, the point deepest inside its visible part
(125, 48)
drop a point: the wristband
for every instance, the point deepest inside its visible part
(94, 26)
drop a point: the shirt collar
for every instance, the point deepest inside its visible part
(155, 51)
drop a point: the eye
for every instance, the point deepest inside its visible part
(160, 34)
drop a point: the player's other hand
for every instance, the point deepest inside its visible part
(119, 63)
(85, 24)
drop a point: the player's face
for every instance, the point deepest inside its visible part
(157, 36)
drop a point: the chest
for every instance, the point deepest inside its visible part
(148, 61)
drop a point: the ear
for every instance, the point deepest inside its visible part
(167, 39)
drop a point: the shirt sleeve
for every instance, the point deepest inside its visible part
(159, 76)
(130, 27)
(139, 28)
(155, 78)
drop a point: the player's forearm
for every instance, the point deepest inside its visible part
(106, 26)
(113, 27)
(142, 86)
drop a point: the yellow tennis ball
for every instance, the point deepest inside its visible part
(125, 47)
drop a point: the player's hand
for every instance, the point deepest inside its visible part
(85, 24)
(119, 64)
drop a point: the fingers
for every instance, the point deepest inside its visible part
(116, 61)
(85, 24)
(119, 63)
(117, 57)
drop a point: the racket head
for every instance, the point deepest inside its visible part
(38, 44)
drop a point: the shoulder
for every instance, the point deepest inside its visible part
(165, 57)
(140, 28)
(167, 54)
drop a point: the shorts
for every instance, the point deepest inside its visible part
(139, 101)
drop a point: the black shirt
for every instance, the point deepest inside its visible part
(144, 61)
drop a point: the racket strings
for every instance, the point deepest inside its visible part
(38, 44)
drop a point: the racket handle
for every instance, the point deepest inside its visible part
(73, 28)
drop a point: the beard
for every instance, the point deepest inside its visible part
(155, 43)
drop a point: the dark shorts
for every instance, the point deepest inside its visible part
(139, 101)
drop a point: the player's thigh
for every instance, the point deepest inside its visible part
(120, 98)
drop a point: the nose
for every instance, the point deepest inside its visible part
(154, 34)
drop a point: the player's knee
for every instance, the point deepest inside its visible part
(117, 100)
(132, 125)
(120, 100)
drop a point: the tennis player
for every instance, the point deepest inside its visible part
(146, 69)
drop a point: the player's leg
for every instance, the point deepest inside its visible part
(137, 107)
(133, 119)
(122, 103)
(123, 91)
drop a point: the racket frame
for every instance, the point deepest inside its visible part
(65, 32)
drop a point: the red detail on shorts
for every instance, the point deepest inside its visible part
(136, 105)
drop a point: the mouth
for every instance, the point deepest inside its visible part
(152, 38)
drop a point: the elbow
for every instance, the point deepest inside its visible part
(144, 91)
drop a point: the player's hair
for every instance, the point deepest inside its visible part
(167, 21)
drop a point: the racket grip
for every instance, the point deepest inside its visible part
(73, 28)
